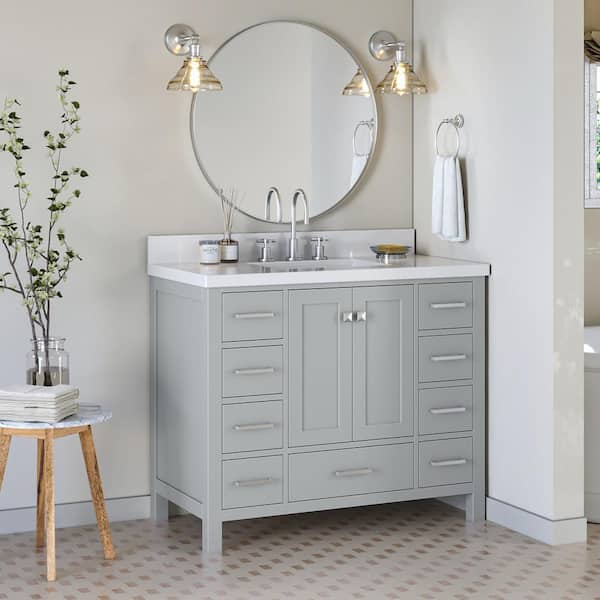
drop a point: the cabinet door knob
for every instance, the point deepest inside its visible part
(360, 315)
(347, 317)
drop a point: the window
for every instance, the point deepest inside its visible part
(592, 134)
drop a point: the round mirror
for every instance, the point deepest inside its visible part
(282, 120)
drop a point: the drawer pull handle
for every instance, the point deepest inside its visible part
(254, 427)
(353, 472)
(252, 482)
(255, 315)
(259, 371)
(453, 462)
(448, 357)
(444, 305)
(448, 411)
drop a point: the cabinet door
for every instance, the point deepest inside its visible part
(320, 368)
(383, 386)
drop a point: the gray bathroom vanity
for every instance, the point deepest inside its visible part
(312, 390)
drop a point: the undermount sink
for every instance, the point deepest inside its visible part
(331, 264)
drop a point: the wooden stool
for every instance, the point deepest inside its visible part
(46, 433)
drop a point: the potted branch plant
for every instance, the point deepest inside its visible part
(38, 256)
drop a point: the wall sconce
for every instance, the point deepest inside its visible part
(401, 78)
(194, 75)
(357, 86)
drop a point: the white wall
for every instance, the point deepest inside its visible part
(513, 69)
(592, 215)
(144, 180)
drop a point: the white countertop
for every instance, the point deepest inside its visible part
(315, 272)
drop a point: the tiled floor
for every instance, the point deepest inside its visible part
(411, 550)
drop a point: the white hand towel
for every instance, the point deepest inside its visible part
(448, 205)
(437, 198)
(460, 206)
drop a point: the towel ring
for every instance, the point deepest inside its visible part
(457, 122)
(369, 125)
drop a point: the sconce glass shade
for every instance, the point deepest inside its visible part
(401, 80)
(194, 76)
(357, 86)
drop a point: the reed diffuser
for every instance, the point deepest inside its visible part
(230, 204)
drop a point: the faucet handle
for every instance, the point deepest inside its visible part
(264, 249)
(319, 247)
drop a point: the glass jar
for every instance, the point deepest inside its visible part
(210, 252)
(47, 362)
(230, 250)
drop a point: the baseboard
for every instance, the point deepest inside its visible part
(592, 507)
(563, 531)
(16, 520)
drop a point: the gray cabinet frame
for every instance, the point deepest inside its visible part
(187, 399)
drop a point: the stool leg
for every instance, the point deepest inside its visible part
(91, 465)
(4, 448)
(41, 509)
(49, 501)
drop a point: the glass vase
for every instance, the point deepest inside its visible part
(47, 362)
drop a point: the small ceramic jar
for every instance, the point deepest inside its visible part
(210, 253)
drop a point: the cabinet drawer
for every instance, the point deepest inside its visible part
(333, 473)
(252, 316)
(444, 462)
(445, 357)
(252, 481)
(252, 371)
(445, 305)
(253, 426)
(445, 410)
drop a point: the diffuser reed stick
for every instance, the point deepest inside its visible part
(230, 204)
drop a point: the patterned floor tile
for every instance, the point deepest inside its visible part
(420, 550)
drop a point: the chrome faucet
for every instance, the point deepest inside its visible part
(273, 191)
(293, 241)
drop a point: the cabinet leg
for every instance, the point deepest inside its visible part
(160, 507)
(41, 502)
(212, 536)
(475, 507)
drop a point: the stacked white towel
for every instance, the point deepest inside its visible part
(37, 403)
(447, 203)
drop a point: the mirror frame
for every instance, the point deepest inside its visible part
(195, 145)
